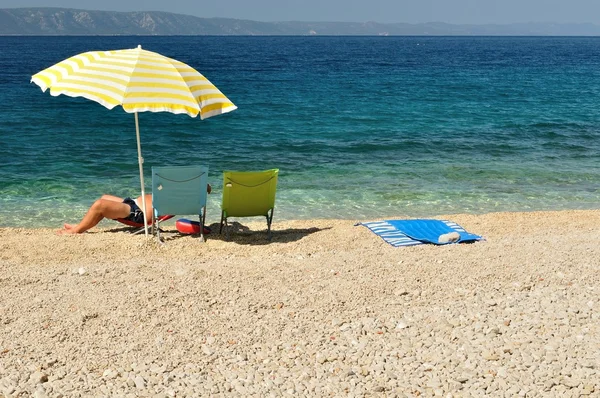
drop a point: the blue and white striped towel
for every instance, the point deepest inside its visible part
(416, 232)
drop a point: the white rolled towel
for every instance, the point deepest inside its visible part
(450, 237)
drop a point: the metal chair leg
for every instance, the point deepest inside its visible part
(158, 234)
(269, 221)
(202, 218)
(155, 220)
(224, 223)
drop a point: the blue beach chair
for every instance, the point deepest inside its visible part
(179, 190)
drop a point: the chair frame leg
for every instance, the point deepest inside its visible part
(224, 223)
(202, 219)
(269, 222)
(221, 224)
(138, 231)
(158, 233)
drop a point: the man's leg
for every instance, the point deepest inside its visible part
(105, 207)
(106, 197)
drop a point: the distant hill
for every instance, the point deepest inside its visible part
(66, 21)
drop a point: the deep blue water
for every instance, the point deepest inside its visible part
(360, 127)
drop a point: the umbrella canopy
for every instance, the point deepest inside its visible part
(138, 80)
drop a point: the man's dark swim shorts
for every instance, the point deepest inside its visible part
(136, 215)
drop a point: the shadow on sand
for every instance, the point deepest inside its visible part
(237, 233)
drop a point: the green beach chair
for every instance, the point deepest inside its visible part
(179, 190)
(249, 194)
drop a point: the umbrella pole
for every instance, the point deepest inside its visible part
(141, 162)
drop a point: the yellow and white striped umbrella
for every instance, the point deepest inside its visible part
(138, 80)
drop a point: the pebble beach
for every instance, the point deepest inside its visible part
(325, 308)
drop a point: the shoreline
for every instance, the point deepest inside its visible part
(55, 216)
(325, 307)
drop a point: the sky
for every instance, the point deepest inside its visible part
(384, 11)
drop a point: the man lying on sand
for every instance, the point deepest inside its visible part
(113, 207)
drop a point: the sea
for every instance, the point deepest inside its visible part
(361, 128)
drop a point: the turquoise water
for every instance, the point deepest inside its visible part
(360, 127)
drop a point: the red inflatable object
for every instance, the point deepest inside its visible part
(186, 226)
